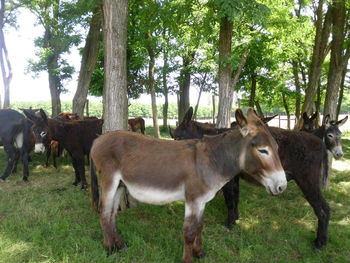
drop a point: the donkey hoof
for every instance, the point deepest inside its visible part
(318, 245)
(75, 184)
(122, 247)
(84, 187)
(2, 180)
(199, 254)
(25, 179)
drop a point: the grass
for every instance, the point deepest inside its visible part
(47, 220)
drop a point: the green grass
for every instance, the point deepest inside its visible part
(47, 220)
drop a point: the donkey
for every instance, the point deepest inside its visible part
(302, 155)
(309, 122)
(135, 124)
(15, 135)
(331, 135)
(191, 171)
(75, 136)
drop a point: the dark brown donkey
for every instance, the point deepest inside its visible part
(75, 136)
(302, 155)
(135, 124)
(162, 171)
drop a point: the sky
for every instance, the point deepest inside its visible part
(20, 45)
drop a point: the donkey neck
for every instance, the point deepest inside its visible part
(58, 132)
(225, 151)
(320, 132)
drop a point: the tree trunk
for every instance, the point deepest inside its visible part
(252, 91)
(54, 85)
(165, 86)
(297, 89)
(336, 61)
(318, 104)
(286, 108)
(235, 77)
(225, 83)
(88, 62)
(320, 51)
(213, 100)
(184, 84)
(197, 104)
(341, 93)
(258, 109)
(115, 102)
(151, 86)
(5, 64)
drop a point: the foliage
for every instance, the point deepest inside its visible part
(47, 220)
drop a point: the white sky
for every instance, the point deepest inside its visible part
(20, 45)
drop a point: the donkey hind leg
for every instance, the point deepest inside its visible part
(15, 163)
(193, 225)
(321, 208)
(25, 160)
(231, 195)
(11, 158)
(81, 171)
(109, 207)
(48, 153)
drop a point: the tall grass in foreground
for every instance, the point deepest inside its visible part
(47, 220)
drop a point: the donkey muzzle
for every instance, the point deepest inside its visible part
(337, 152)
(276, 183)
(39, 148)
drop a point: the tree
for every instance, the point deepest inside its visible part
(338, 61)
(88, 62)
(115, 102)
(320, 50)
(59, 19)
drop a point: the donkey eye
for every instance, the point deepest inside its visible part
(330, 135)
(42, 134)
(263, 151)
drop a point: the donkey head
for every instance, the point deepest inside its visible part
(186, 129)
(332, 136)
(259, 157)
(40, 129)
(309, 122)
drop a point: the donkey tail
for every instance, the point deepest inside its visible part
(94, 187)
(325, 168)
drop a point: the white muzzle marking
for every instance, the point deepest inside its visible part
(276, 183)
(338, 152)
(39, 148)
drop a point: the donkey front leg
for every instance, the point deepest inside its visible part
(231, 195)
(81, 170)
(76, 171)
(193, 225)
(109, 206)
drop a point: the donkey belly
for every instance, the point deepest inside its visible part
(155, 196)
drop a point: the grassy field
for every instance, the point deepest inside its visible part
(47, 220)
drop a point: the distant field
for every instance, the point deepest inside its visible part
(47, 220)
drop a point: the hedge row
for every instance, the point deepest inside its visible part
(95, 109)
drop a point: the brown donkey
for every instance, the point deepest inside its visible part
(190, 170)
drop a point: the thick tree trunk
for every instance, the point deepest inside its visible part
(54, 85)
(151, 86)
(336, 61)
(184, 84)
(318, 104)
(115, 102)
(225, 83)
(297, 88)
(5, 64)
(252, 91)
(320, 51)
(88, 62)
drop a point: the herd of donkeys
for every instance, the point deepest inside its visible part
(201, 160)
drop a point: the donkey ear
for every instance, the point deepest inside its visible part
(314, 116)
(251, 114)
(305, 117)
(30, 115)
(188, 116)
(43, 116)
(171, 132)
(341, 122)
(242, 122)
(326, 120)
